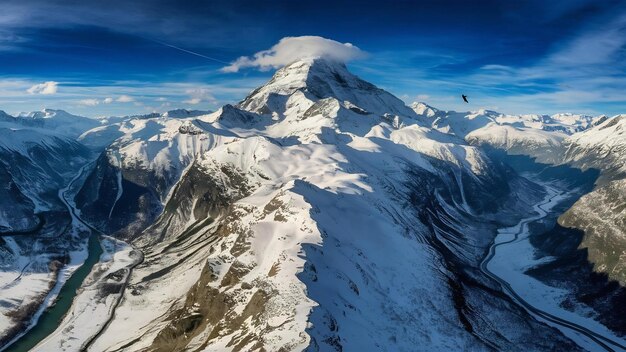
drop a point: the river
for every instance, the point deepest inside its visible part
(511, 255)
(49, 319)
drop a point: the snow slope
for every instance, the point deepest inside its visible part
(59, 121)
(540, 136)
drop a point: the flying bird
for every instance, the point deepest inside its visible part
(464, 98)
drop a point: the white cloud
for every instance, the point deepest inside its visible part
(46, 88)
(107, 100)
(125, 99)
(199, 95)
(89, 102)
(193, 101)
(290, 49)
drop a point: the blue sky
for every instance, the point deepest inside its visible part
(100, 58)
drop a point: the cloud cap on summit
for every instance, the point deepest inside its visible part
(290, 49)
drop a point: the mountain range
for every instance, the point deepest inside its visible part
(320, 213)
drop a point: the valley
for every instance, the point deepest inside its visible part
(507, 262)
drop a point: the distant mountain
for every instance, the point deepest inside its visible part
(183, 113)
(424, 109)
(4, 117)
(59, 121)
(115, 127)
(540, 136)
(176, 113)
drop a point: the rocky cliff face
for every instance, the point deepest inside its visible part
(601, 214)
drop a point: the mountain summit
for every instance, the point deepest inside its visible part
(318, 78)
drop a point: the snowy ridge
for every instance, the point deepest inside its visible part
(424, 109)
(540, 136)
(594, 146)
(59, 121)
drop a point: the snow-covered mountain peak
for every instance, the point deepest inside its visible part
(306, 74)
(618, 122)
(47, 114)
(314, 79)
(485, 112)
(608, 133)
(4, 117)
(59, 121)
(424, 109)
(578, 122)
(303, 70)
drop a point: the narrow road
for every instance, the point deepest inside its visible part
(92, 339)
(603, 342)
(71, 207)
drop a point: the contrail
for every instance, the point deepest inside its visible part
(188, 51)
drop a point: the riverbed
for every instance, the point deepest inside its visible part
(512, 254)
(49, 320)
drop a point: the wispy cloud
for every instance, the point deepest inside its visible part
(45, 88)
(199, 95)
(10, 40)
(186, 24)
(125, 99)
(89, 102)
(587, 70)
(139, 97)
(601, 45)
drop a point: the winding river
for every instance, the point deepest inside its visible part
(510, 246)
(49, 318)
